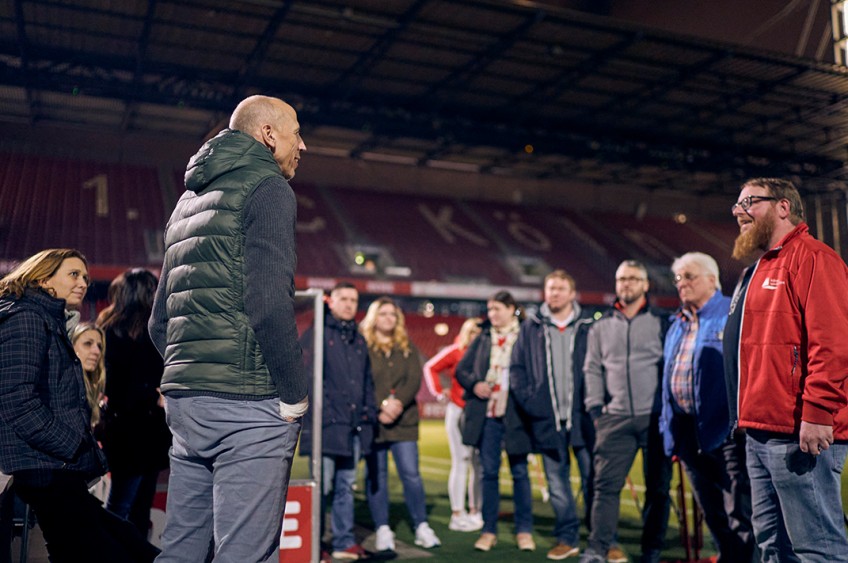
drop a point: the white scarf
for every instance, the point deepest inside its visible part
(498, 375)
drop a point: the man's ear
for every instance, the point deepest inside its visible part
(268, 137)
(783, 207)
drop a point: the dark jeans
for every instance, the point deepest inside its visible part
(77, 528)
(720, 483)
(131, 497)
(617, 441)
(491, 445)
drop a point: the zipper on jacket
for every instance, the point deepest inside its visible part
(795, 360)
(627, 363)
(739, 343)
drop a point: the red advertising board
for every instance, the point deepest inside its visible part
(296, 537)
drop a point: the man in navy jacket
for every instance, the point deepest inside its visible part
(546, 381)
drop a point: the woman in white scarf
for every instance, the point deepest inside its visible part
(491, 423)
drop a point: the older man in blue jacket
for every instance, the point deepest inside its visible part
(695, 421)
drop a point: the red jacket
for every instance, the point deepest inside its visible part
(793, 359)
(446, 359)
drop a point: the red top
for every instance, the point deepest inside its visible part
(792, 357)
(447, 359)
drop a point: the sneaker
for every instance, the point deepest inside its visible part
(486, 541)
(562, 551)
(326, 557)
(617, 555)
(525, 541)
(590, 557)
(460, 523)
(476, 521)
(425, 536)
(353, 553)
(385, 540)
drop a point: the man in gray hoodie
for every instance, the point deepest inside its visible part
(623, 369)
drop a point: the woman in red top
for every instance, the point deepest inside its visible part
(463, 457)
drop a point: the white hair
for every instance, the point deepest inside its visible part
(705, 261)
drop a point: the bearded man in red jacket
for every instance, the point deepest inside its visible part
(786, 366)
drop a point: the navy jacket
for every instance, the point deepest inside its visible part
(712, 416)
(348, 407)
(531, 379)
(472, 369)
(44, 415)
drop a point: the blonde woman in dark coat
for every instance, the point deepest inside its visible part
(396, 367)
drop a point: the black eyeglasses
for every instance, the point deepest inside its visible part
(746, 202)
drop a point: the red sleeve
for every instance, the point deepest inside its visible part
(446, 359)
(821, 285)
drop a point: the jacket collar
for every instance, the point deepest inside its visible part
(799, 230)
(708, 307)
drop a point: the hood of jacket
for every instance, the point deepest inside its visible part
(223, 154)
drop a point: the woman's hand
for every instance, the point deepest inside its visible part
(482, 390)
(392, 408)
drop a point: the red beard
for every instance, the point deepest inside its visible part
(753, 242)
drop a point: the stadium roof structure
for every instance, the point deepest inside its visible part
(516, 88)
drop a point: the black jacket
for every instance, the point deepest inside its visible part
(471, 370)
(348, 406)
(530, 385)
(135, 437)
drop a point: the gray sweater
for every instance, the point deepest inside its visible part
(623, 365)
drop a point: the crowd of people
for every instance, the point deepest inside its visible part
(747, 391)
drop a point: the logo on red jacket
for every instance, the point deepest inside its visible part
(772, 283)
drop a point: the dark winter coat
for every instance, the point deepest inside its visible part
(348, 405)
(530, 384)
(471, 370)
(45, 419)
(401, 374)
(135, 437)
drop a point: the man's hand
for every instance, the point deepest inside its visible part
(815, 438)
(482, 390)
(384, 418)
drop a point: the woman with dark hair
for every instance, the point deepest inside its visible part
(46, 442)
(491, 422)
(135, 436)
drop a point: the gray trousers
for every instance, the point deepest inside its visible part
(230, 467)
(617, 441)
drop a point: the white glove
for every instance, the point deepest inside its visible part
(293, 412)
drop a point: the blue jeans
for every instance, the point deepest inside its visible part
(339, 476)
(797, 499)
(558, 472)
(131, 497)
(405, 455)
(491, 445)
(230, 467)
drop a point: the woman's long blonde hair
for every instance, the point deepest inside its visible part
(399, 338)
(95, 381)
(35, 269)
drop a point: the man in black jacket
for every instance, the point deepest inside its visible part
(348, 415)
(546, 381)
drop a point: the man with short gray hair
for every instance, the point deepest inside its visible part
(695, 423)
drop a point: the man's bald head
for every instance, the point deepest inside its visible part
(254, 112)
(273, 123)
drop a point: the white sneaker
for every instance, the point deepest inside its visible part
(385, 540)
(425, 536)
(476, 521)
(460, 523)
